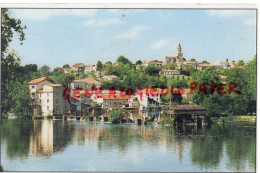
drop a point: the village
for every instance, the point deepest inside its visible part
(84, 97)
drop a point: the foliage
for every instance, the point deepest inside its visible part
(122, 59)
(45, 70)
(172, 66)
(152, 70)
(58, 77)
(114, 116)
(68, 78)
(139, 62)
(193, 60)
(66, 66)
(99, 65)
(240, 63)
(108, 63)
(8, 25)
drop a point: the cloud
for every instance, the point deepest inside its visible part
(103, 22)
(161, 43)
(228, 13)
(133, 33)
(41, 14)
(250, 21)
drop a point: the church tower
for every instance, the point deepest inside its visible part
(179, 54)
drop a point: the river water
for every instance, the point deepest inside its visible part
(58, 145)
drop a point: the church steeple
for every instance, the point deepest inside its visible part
(179, 50)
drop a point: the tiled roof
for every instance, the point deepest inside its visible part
(118, 97)
(35, 81)
(89, 81)
(189, 107)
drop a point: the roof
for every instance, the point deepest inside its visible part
(189, 107)
(41, 91)
(88, 81)
(78, 64)
(54, 85)
(118, 97)
(35, 81)
(171, 56)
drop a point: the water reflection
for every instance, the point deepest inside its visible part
(219, 147)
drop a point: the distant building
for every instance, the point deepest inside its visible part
(66, 70)
(156, 62)
(170, 72)
(110, 77)
(175, 59)
(78, 64)
(112, 100)
(85, 83)
(90, 68)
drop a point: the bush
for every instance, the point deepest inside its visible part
(114, 116)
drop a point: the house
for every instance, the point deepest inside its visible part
(156, 62)
(149, 98)
(112, 100)
(47, 97)
(204, 66)
(37, 84)
(170, 72)
(80, 102)
(66, 70)
(110, 77)
(90, 68)
(85, 83)
(51, 100)
(132, 102)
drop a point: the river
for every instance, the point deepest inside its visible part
(60, 145)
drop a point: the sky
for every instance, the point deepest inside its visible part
(55, 37)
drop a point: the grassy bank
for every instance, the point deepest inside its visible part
(234, 119)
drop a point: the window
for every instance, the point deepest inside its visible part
(33, 94)
(110, 103)
(48, 107)
(47, 100)
(33, 86)
(40, 100)
(40, 95)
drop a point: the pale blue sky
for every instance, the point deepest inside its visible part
(59, 36)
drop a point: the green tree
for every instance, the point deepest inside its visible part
(8, 26)
(122, 59)
(99, 65)
(240, 63)
(45, 70)
(193, 60)
(152, 70)
(139, 62)
(172, 66)
(66, 66)
(68, 78)
(108, 63)
(205, 62)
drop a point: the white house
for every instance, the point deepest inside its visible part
(149, 98)
(47, 97)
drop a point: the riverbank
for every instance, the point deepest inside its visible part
(242, 118)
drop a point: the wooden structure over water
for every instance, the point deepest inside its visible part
(183, 113)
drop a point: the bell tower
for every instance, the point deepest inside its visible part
(179, 54)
